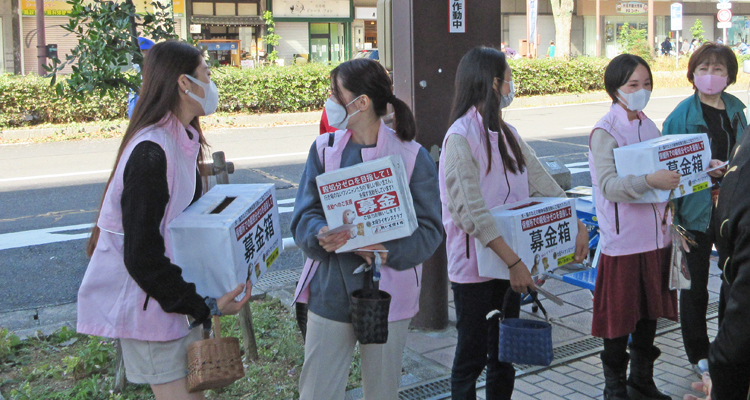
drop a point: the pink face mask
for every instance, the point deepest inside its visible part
(710, 84)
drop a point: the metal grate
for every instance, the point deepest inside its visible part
(279, 279)
(439, 388)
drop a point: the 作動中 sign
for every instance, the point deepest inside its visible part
(457, 14)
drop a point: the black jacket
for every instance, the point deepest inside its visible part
(729, 357)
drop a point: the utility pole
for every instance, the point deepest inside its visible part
(432, 36)
(41, 40)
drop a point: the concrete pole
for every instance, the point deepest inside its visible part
(598, 51)
(651, 25)
(41, 40)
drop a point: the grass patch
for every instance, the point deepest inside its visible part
(67, 365)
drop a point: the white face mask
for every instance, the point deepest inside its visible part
(210, 101)
(636, 101)
(506, 99)
(336, 113)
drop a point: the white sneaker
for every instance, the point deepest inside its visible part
(701, 367)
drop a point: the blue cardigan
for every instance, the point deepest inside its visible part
(693, 212)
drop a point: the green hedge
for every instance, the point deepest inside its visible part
(556, 75)
(273, 89)
(30, 100)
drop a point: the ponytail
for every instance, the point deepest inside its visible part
(362, 76)
(404, 123)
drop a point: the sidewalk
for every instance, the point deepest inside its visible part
(576, 372)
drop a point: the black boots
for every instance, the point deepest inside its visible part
(641, 384)
(615, 374)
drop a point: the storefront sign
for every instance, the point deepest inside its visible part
(366, 13)
(61, 7)
(631, 7)
(312, 9)
(195, 28)
(457, 18)
(178, 8)
(51, 7)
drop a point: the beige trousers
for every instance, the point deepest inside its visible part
(329, 346)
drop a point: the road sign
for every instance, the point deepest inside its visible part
(723, 6)
(723, 1)
(724, 25)
(724, 15)
(676, 12)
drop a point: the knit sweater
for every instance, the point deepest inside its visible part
(465, 203)
(144, 200)
(613, 187)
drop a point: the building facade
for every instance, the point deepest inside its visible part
(335, 30)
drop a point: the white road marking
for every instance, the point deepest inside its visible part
(107, 171)
(29, 178)
(577, 164)
(42, 236)
(37, 237)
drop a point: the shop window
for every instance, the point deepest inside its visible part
(203, 8)
(226, 9)
(247, 9)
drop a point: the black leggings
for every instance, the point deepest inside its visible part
(615, 350)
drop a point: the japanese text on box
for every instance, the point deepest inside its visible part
(686, 159)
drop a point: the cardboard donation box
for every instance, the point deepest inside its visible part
(687, 154)
(228, 236)
(541, 230)
(371, 201)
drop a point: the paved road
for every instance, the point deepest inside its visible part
(50, 192)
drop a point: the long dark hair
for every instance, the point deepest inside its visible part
(363, 76)
(159, 95)
(474, 88)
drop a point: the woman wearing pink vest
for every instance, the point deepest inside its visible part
(131, 290)
(361, 91)
(484, 164)
(632, 288)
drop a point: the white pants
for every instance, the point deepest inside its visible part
(329, 346)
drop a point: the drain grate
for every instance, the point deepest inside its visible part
(279, 279)
(440, 388)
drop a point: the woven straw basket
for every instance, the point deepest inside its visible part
(214, 363)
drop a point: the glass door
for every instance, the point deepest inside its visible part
(320, 42)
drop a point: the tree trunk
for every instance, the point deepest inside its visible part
(562, 10)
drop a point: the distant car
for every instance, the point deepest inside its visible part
(371, 54)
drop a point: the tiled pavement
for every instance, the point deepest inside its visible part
(429, 355)
(580, 378)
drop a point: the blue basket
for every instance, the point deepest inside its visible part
(525, 341)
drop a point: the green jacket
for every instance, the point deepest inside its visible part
(693, 211)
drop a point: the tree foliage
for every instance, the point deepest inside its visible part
(697, 31)
(107, 33)
(633, 41)
(271, 38)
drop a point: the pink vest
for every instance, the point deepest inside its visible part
(403, 286)
(627, 228)
(496, 190)
(110, 302)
